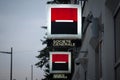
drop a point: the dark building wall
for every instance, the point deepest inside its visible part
(103, 53)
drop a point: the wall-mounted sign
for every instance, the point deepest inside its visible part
(60, 62)
(64, 21)
(64, 42)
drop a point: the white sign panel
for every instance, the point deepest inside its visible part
(60, 62)
(64, 21)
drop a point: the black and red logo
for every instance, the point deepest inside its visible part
(60, 62)
(64, 20)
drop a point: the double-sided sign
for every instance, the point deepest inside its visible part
(64, 21)
(60, 62)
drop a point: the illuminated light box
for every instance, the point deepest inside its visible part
(64, 21)
(60, 62)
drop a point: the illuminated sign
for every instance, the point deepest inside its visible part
(64, 21)
(60, 62)
(64, 42)
(58, 76)
(61, 76)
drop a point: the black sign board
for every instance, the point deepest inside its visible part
(63, 43)
(59, 76)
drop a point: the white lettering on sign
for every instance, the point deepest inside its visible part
(59, 76)
(63, 43)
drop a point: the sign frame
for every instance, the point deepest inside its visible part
(60, 71)
(79, 22)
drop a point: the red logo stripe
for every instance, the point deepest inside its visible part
(64, 14)
(60, 58)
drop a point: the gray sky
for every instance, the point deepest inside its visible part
(20, 22)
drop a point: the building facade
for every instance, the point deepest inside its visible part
(99, 55)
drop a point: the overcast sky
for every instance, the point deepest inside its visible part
(20, 22)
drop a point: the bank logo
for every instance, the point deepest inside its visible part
(64, 21)
(60, 62)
